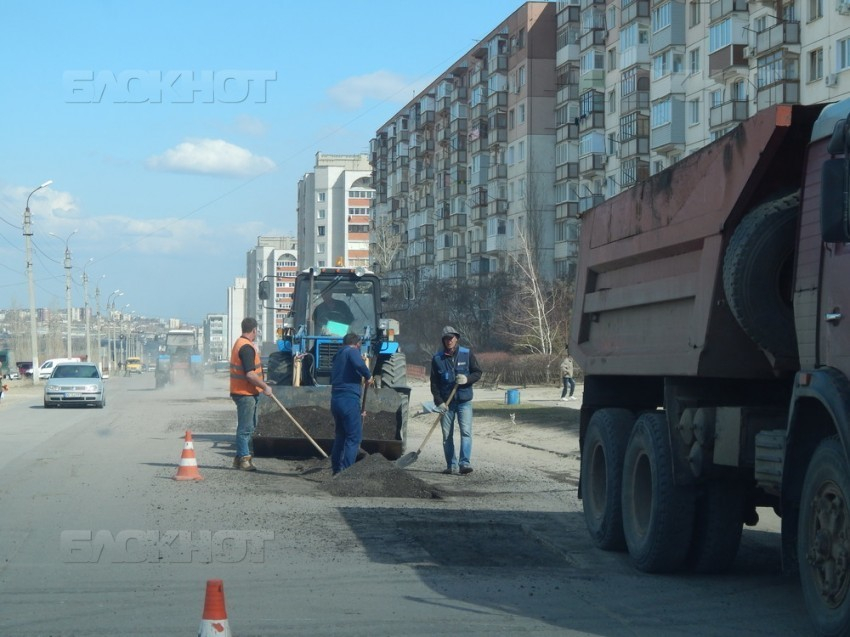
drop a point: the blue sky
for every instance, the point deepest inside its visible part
(175, 132)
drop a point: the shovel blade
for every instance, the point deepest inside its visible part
(407, 459)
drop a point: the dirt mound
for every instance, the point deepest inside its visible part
(377, 477)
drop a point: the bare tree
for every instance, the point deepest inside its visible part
(385, 243)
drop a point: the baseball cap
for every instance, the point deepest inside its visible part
(448, 330)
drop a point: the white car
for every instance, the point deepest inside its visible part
(74, 384)
(47, 366)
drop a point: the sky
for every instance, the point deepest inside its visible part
(175, 133)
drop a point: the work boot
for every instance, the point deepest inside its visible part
(245, 464)
(465, 470)
(236, 461)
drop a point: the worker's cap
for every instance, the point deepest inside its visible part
(448, 330)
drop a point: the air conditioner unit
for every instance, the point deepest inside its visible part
(752, 51)
(831, 79)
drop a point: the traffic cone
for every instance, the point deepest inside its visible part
(214, 622)
(188, 469)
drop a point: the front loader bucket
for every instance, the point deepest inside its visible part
(384, 427)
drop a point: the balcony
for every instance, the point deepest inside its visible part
(727, 59)
(479, 144)
(778, 35)
(635, 146)
(591, 38)
(592, 162)
(586, 203)
(455, 252)
(459, 125)
(497, 171)
(566, 132)
(785, 92)
(497, 63)
(637, 101)
(591, 121)
(479, 267)
(633, 171)
(497, 207)
(426, 119)
(497, 243)
(722, 8)
(423, 232)
(478, 198)
(458, 188)
(497, 137)
(633, 11)
(425, 174)
(497, 100)
(566, 171)
(728, 113)
(566, 210)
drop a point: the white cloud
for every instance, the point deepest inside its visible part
(211, 157)
(350, 93)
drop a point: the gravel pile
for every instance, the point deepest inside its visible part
(377, 477)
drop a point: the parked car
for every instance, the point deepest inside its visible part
(25, 369)
(47, 366)
(13, 374)
(74, 384)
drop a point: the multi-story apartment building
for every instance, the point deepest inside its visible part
(334, 203)
(216, 343)
(565, 104)
(464, 171)
(237, 308)
(273, 259)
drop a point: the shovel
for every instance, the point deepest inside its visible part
(300, 428)
(409, 458)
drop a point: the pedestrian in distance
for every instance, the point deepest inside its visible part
(347, 373)
(455, 368)
(567, 377)
(3, 389)
(246, 385)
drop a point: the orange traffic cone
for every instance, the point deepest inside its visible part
(188, 469)
(214, 622)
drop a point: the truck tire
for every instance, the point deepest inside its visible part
(602, 476)
(718, 522)
(280, 368)
(658, 514)
(394, 371)
(758, 275)
(822, 533)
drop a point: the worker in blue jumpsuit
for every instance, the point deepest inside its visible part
(346, 374)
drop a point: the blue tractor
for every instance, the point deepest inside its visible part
(327, 304)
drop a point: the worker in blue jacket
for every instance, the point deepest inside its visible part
(346, 374)
(450, 367)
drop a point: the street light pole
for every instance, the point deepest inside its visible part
(31, 282)
(86, 309)
(67, 286)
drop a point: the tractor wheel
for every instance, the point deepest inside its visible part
(758, 273)
(823, 534)
(658, 514)
(280, 368)
(394, 371)
(602, 476)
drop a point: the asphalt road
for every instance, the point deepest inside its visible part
(96, 538)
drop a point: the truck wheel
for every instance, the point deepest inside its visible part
(280, 368)
(823, 539)
(718, 522)
(394, 371)
(658, 515)
(602, 476)
(758, 272)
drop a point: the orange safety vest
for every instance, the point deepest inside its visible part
(239, 383)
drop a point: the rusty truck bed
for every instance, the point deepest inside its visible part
(649, 295)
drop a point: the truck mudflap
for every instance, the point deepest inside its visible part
(384, 427)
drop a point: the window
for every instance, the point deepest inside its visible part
(760, 24)
(320, 248)
(739, 91)
(720, 35)
(694, 13)
(815, 9)
(522, 188)
(661, 113)
(693, 61)
(815, 65)
(612, 101)
(693, 111)
(562, 153)
(520, 77)
(716, 98)
(661, 17)
(521, 151)
(322, 213)
(510, 161)
(775, 68)
(320, 196)
(320, 231)
(520, 111)
(592, 61)
(612, 58)
(511, 119)
(611, 17)
(842, 48)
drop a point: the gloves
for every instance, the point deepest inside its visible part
(461, 379)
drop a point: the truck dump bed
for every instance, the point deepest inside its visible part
(649, 293)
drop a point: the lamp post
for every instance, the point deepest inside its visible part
(31, 282)
(86, 309)
(110, 306)
(67, 285)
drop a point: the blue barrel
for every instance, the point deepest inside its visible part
(512, 397)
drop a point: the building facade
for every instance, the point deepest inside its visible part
(273, 259)
(216, 341)
(334, 202)
(565, 104)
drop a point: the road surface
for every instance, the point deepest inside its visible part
(98, 539)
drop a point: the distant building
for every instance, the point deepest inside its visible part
(216, 344)
(334, 204)
(272, 259)
(237, 308)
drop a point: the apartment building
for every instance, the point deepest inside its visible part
(463, 173)
(216, 343)
(334, 202)
(237, 308)
(273, 259)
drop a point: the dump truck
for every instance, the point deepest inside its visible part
(708, 322)
(328, 303)
(179, 360)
